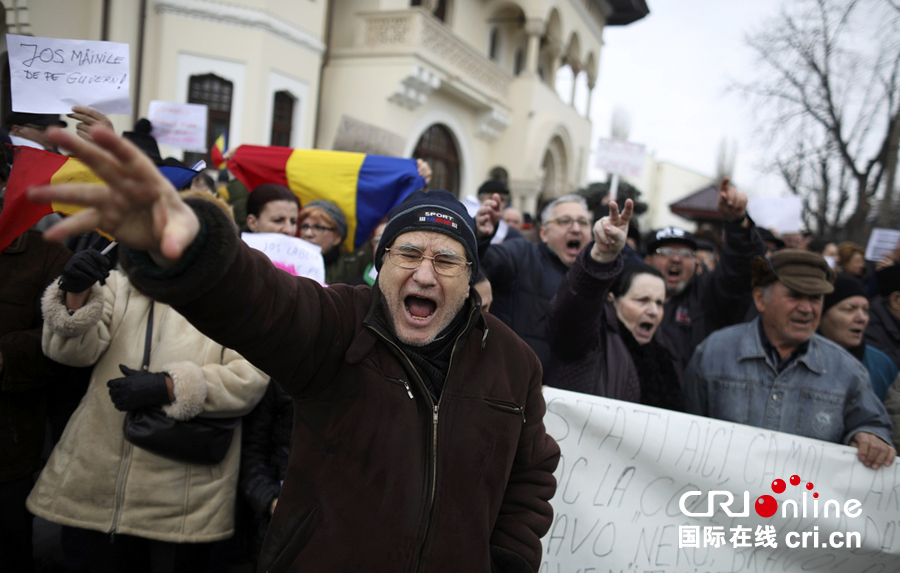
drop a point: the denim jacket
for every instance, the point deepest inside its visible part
(824, 393)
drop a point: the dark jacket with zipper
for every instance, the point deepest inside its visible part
(27, 266)
(380, 478)
(524, 277)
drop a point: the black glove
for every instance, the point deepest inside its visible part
(83, 270)
(138, 389)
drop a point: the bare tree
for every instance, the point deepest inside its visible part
(829, 99)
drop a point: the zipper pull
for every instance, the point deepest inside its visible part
(435, 414)
(408, 389)
(484, 338)
(523, 415)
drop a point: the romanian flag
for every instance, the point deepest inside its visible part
(38, 167)
(218, 151)
(364, 187)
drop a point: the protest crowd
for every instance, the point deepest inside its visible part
(175, 402)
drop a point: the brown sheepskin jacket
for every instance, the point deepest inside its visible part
(380, 478)
(97, 480)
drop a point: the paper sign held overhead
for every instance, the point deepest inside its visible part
(621, 157)
(50, 75)
(179, 125)
(779, 214)
(881, 242)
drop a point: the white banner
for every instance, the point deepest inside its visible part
(621, 157)
(290, 254)
(179, 125)
(50, 75)
(626, 470)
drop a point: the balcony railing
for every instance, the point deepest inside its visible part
(416, 32)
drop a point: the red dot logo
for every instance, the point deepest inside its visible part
(795, 480)
(778, 486)
(766, 506)
(809, 485)
(815, 495)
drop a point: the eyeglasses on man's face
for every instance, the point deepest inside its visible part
(669, 252)
(315, 228)
(567, 222)
(410, 258)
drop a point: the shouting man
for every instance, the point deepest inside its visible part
(418, 441)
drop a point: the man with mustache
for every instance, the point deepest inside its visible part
(418, 442)
(698, 304)
(775, 372)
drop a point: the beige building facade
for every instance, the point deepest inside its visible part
(468, 85)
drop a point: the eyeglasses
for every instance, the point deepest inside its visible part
(567, 222)
(410, 258)
(669, 252)
(315, 228)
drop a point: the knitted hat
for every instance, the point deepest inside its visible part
(41, 119)
(438, 211)
(845, 286)
(492, 186)
(334, 212)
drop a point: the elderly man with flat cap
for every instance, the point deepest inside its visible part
(418, 441)
(776, 373)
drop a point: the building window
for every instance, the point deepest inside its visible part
(216, 93)
(437, 7)
(282, 118)
(519, 63)
(437, 147)
(494, 49)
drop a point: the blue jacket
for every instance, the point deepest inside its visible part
(824, 393)
(881, 368)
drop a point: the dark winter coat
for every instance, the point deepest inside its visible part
(379, 477)
(883, 331)
(714, 299)
(592, 352)
(27, 266)
(524, 277)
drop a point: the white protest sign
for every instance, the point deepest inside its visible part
(179, 125)
(881, 243)
(621, 157)
(626, 469)
(290, 254)
(50, 75)
(780, 214)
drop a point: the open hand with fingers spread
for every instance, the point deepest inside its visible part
(138, 205)
(611, 231)
(88, 118)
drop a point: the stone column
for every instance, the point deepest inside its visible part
(535, 29)
(591, 84)
(575, 71)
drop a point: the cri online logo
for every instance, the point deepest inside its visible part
(766, 505)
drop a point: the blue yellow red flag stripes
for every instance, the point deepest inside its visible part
(365, 187)
(38, 167)
(216, 154)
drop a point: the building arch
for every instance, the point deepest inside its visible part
(507, 35)
(460, 137)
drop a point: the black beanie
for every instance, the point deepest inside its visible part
(436, 210)
(492, 186)
(844, 287)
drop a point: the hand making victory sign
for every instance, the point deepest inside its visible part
(138, 206)
(611, 231)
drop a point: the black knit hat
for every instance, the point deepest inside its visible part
(436, 210)
(492, 186)
(845, 286)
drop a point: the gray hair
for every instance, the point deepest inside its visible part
(547, 213)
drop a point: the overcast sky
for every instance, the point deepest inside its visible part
(671, 71)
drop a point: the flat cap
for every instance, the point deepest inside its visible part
(805, 272)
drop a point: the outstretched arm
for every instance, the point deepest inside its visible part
(137, 205)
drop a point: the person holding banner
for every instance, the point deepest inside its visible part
(418, 441)
(603, 321)
(776, 373)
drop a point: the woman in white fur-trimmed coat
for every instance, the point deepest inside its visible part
(95, 479)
